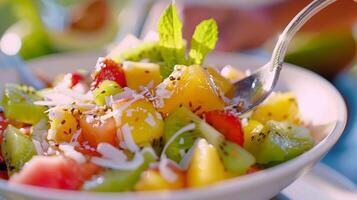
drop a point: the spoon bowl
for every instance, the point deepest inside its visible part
(254, 89)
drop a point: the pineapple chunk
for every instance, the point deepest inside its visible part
(251, 130)
(140, 74)
(151, 179)
(232, 73)
(224, 84)
(62, 125)
(278, 107)
(190, 87)
(145, 123)
(206, 167)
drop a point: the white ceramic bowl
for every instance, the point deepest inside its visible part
(319, 101)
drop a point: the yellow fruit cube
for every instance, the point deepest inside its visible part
(278, 107)
(206, 167)
(232, 73)
(151, 179)
(62, 125)
(140, 74)
(189, 86)
(145, 123)
(251, 130)
(224, 84)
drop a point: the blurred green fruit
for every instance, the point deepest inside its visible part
(326, 53)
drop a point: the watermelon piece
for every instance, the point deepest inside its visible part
(55, 172)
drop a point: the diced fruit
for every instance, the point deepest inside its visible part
(109, 70)
(151, 179)
(251, 130)
(55, 172)
(141, 74)
(16, 148)
(145, 123)
(39, 131)
(3, 124)
(106, 88)
(4, 175)
(18, 103)
(192, 82)
(253, 169)
(118, 180)
(76, 78)
(227, 124)
(62, 125)
(232, 73)
(280, 141)
(174, 122)
(96, 131)
(224, 84)
(235, 159)
(206, 167)
(146, 50)
(278, 107)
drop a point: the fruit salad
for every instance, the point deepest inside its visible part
(151, 116)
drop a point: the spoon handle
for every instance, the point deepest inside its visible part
(299, 20)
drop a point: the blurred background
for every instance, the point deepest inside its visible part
(326, 44)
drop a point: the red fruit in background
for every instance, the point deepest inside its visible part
(3, 124)
(3, 175)
(109, 70)
(55, 172)
(227, 124)
(76, 78)
(253, 169)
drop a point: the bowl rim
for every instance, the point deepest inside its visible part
(319, 150)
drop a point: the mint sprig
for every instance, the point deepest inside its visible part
(172, 47)
(203, 41)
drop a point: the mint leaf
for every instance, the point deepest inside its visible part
(171, 44)
(203, 41)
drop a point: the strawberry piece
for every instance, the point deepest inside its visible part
(4, 175)
(76, 78)
(227, 124)
(55, 172)
(253, 169)
(110, 70)
(3, 124)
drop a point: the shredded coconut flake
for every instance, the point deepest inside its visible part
(110, 152)
(128, 138)
(149, 150)
(75, 137)
(128, 165)
(158, 115)
(182, 141)
(38, 147)
(166, 171)
(69, 151)
(150, 120)
(186, 159)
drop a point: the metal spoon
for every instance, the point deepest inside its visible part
(254, 89)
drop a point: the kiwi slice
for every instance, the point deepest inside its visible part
(106, 88)
(118, 180)
(174, 122)
(235, 158)
(279, 142)
(148, 50)
(16, 148)
(18, 103)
